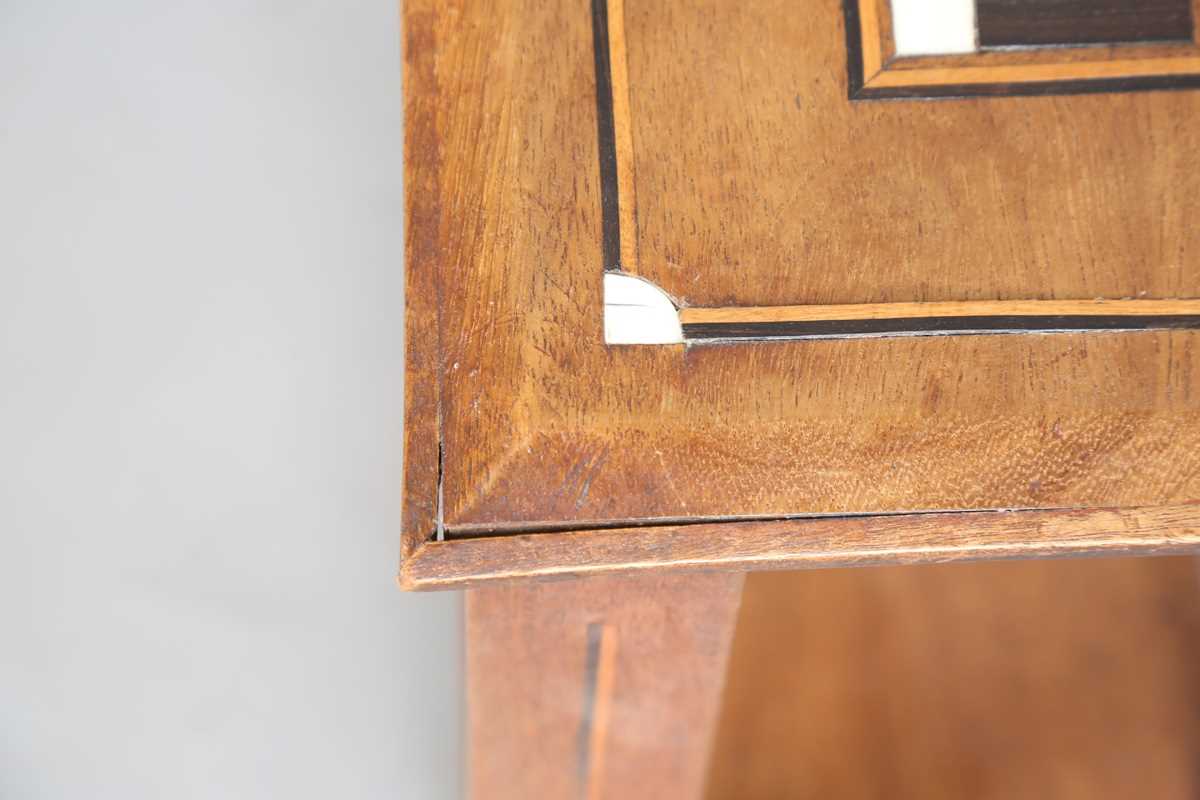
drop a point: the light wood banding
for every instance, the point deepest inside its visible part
(623, 128)
(1040, 72)
(1036, 56)
(1019, 308)
(944, 318)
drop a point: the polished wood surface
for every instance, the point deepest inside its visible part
(759, 182)
(1057, 679)
(596, 689)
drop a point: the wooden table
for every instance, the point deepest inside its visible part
(696, 289)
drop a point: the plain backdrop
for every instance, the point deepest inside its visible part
(201, 366)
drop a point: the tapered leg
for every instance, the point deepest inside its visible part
(597, 688)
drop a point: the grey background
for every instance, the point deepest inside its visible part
(200, 409)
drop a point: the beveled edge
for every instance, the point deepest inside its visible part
(807, 543)
(421, 502)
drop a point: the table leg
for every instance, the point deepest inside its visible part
(597, 688)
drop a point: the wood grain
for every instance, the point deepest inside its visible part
(806, 543)
(1030, 23)
(753, 201)
(745, 197)
(422, 322)
(1063, 679)
(845, 426)
(569, 694)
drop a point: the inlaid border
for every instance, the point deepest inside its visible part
(875, 72)
(936, 319)
(637, 313)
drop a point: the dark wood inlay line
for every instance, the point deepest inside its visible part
(1034, 23)
(930, 326)
(854, 48)
(610, 208)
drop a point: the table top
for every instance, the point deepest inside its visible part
(864, 324)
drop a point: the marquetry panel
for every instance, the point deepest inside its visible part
(747, 178)
(636, 312)
(1141, 45)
